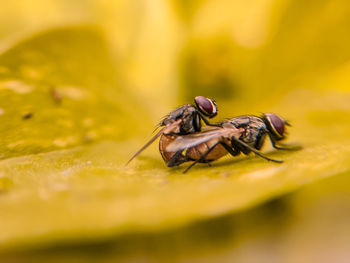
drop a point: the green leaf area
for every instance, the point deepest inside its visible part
(60, 89)
(77, 189)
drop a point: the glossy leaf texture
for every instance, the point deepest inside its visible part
(87, 193)
(60, 89)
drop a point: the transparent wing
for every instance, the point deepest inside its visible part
(191, 140)
(159, 133)
(146, 145)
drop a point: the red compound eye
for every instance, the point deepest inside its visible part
(277, 124)
(206, 106)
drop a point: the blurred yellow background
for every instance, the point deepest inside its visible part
(168, 50)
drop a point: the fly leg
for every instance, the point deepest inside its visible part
(234, 152)
(273, 142)
(202, 158)
(177, 159)
(206, 120)
(239, 142)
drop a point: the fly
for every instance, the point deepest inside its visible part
(185, 119)
(242, 134)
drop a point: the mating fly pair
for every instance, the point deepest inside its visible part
(182, 140)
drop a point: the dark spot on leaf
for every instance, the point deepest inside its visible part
(27, 116)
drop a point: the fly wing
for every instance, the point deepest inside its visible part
(165, 129)
(187, 141)
(146, 145)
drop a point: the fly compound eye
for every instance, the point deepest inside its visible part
(276, 124)
(206, 106)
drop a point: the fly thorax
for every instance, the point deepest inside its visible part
(249, 135)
